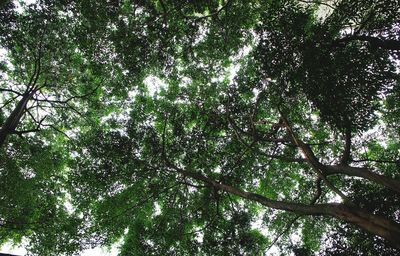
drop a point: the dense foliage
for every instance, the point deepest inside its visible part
(200, 127)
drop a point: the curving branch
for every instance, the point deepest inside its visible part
(375, 224)
(365, 173)
(10, 90)
(293, 221)
(66, 101)
(327, 170)
(319, 168)
(37, 129)
(9, 101)
(376, 42)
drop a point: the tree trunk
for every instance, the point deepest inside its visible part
(14, 118)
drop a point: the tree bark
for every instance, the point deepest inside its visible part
(14, 118)
(389, 44)
(342, 169)
(377, 225)
(347, 147)
(350, 171)
(372, 223)
(364, 173)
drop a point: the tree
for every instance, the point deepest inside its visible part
(296, 138)
(44, 79)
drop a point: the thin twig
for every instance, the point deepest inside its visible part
(211, 14)
(317, 2)
(10, 90)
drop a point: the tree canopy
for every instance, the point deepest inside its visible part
(201, 127)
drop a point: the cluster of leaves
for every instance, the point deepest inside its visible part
(342, 79)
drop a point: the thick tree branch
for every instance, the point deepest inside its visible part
(364, 173)
(347, 147)
(319, 168)
(375, 224)
(319, 191)
(388, 44)
(326, 170)
(37, 129)
(9, 101)
(14, 118)
(290, 223)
